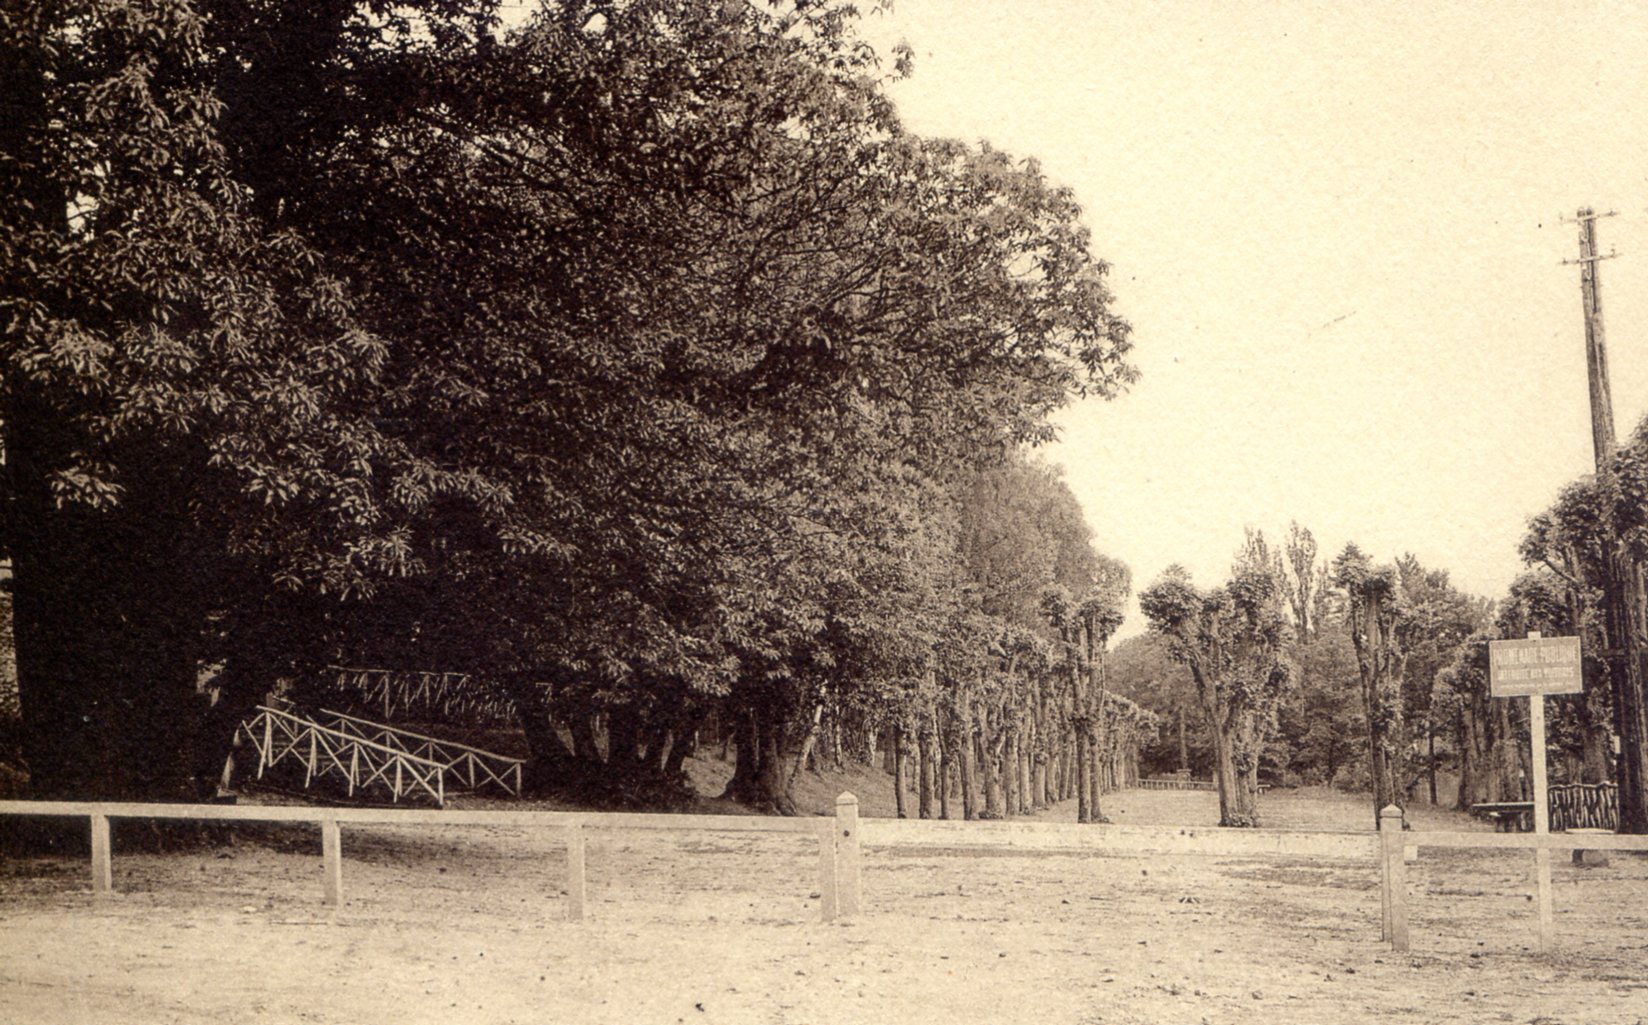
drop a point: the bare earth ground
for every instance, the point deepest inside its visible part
(464, 925)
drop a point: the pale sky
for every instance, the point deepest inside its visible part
(1336, 230)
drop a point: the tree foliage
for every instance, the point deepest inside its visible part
(638, 360)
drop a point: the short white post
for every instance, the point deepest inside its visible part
(1395, 875)
(848, 875)
(575, 873)
(1542, 818)
(331, 852)
(102, 857)
(829, 897)
(1384, 891)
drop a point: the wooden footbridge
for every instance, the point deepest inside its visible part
(423, 696)
(371, 757)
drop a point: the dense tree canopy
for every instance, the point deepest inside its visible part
(638, 360)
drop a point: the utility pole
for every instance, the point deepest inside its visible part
(1596, 345)
(1621, 589)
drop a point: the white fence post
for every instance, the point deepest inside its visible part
(848, 875)
(102, 857)
(575, 872)
(1395, 876)
(829, 896)
(331, 851)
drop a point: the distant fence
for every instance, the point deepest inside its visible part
(1184, 783)
(1177, 783)
(447, 697)
(1584, 806)
(842, 837)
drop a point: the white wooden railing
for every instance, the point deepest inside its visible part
(469, 768)
(444, 696)
(837, 837)
(360, 762)
(841, 839)
(365, 754)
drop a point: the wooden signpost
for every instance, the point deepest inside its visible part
(1533, 668)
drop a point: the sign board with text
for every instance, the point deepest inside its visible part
(1537, 665)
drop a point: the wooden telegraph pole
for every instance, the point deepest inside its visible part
(1596, 346)
(1622, 593)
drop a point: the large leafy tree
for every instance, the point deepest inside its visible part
(619, 359)
(176, 387)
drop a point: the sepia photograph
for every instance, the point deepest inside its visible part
(818, 512)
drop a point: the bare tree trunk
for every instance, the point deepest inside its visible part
(924, 797)
(1082, 767)
(992, 757)
(898, 772)
(945, 742)
(1430, 754)
(1236, 804)
(1013, 778)
(808, 743)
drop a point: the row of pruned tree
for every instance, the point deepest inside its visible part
(1353, 673)
(1011, 710)
(637, 359)
(1309, 669)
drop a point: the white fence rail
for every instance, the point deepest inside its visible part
(834, 844)
(841, 840)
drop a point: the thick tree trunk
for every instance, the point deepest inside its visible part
(684, 741)
(548, 758)
(993, 759)
(746, 755)
(1099, 780)
(1084, 765)
(1467, 762)
(944, 739)
(1236, 804)
(1027, 795)
(772, 786)
(1633, 740)
(760, 779)
(898, 772)
(924, 774)
(1430, 762)
(1011, 786)
(585, 742)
